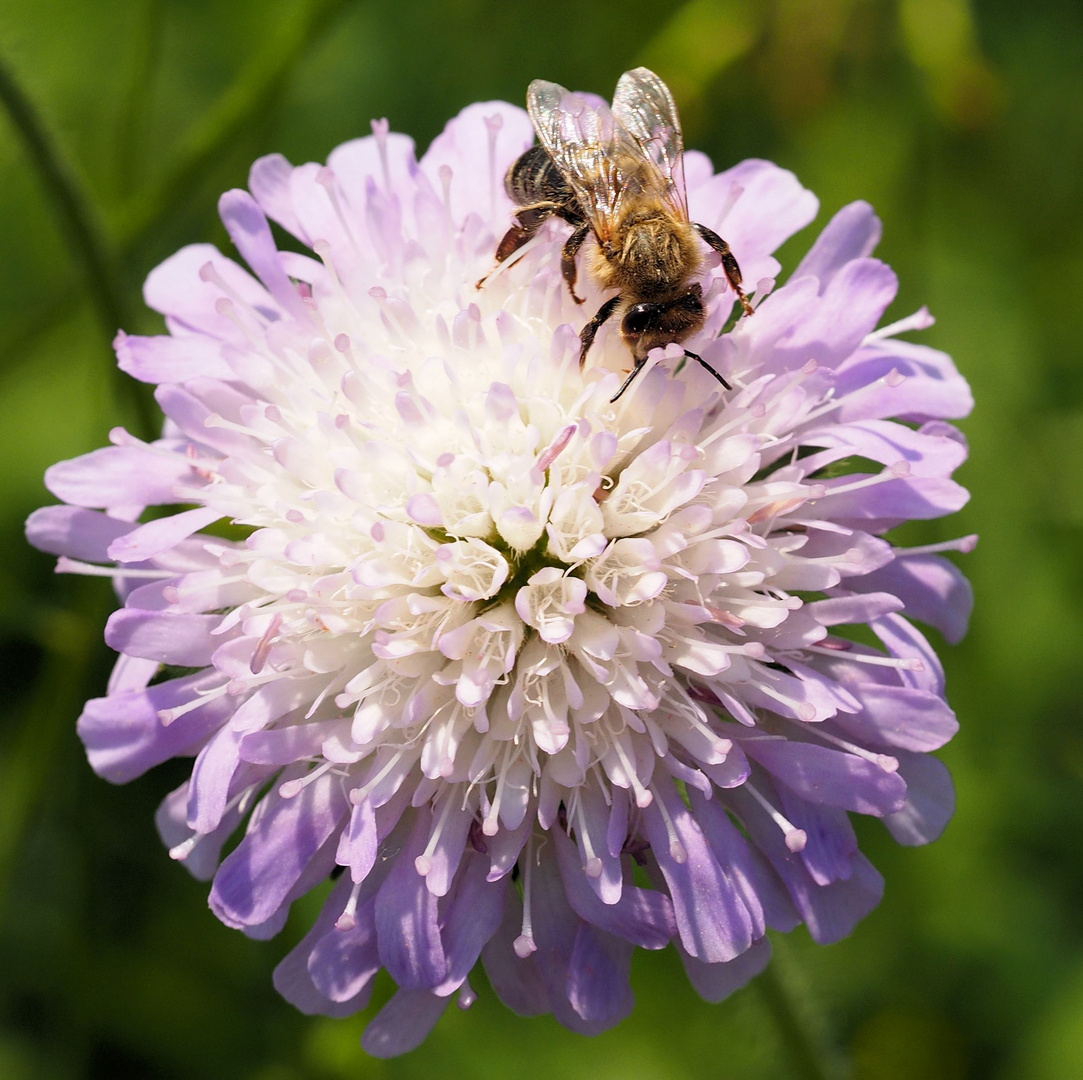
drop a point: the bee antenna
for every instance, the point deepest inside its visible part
(627, 382)
(703, 363)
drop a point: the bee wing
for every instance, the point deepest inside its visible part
(599, 158)
(644, 106)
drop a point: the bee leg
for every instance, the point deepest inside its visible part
(628, 382)
(567, 258)
(699, 360)
(528, 221)
(588, 333)
(729, 263)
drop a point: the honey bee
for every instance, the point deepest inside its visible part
(619, 173)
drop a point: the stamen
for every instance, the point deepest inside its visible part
(185, 848)
(64, 565)
(805, 709)
(735, 192)
(643, 797)
(964, 545)
(885, 761)
(445, 174)
(677, 851)
(167, 716)
(763, 289)
(213, 420)
(593, 866)
(208, 272)
(348, 919)
(292, 788)
(920, 320)
(898, 471)
(423, 863)
(778, 508)
(263, 648)
(683, 705)
(892, 379)
(228, 310)
(323, 249)
(391, 311)
(333, 684)
(556, 447)
(326, 179)
(524, 943)
(359, 795)
(836, 644)
(491, 826)
(902, 663)
(727, 618)
(173, 594)
(380, 129)
(796, 838)
(493, 124)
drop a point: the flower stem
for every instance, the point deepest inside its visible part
(78, 221)
(70, 204)
(249, 96)
(136, 103)
(793, 1028)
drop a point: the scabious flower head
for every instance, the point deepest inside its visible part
(536, 676)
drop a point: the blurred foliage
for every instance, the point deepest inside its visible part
(963, 124)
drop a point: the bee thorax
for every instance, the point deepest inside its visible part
(653, 256)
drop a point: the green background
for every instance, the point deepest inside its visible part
(962, 123)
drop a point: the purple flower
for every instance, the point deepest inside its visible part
(492, 640)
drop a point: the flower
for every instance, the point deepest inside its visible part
(539, 677)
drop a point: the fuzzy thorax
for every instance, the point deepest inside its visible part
(651, 254)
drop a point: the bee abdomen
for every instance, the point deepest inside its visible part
(535, 178)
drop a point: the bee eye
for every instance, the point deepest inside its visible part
(638, 320)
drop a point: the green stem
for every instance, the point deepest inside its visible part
(136, 104)
(70, 205)
(249, 96)
(793, 1028)
(78, 222)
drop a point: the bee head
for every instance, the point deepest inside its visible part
(650, 325)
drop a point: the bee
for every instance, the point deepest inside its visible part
(618, 173)
(538, 188)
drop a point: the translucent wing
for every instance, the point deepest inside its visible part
(645, 108)
(599, 158)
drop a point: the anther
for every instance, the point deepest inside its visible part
(292, 788)
(185, 848)
(555, 448)
(423, 863)
(348, 919)
(764, 287)
(593, 866)
(524, 943)
(796, 838)
(964, 545)
(263, 648)
(885, 761)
